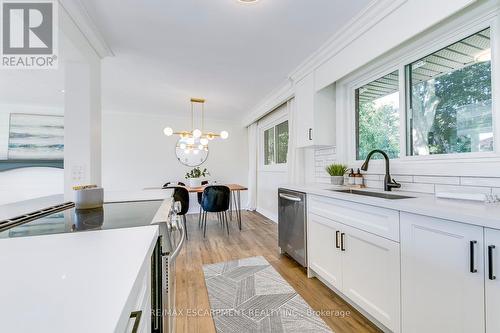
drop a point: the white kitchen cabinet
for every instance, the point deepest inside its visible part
(324, 255)
(140, 311)
(442, 276)
(315, 119)
(371, 275)
(492, 285)
(361, 265)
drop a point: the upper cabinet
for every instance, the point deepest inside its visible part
(315, 113)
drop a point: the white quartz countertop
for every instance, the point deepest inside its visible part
(476, 213)
(78, 282)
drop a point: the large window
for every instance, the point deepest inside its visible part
(449, 99)
(276, 144)
(377, 114)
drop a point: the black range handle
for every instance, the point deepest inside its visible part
(491, 274)
(342, 241)
(137, 315)
(310, 134)
(472, 255)
(337, 239)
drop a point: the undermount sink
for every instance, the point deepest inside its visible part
(375, 194)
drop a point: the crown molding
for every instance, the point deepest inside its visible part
(372, 14)
(83, 21)
(277, 97)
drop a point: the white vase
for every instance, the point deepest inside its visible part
(337, 180)
(194, 182)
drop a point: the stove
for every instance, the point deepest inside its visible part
(65, 218)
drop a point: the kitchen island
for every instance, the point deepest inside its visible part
(75, 282)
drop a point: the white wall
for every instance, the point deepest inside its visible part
(136, 154)
(269, 177)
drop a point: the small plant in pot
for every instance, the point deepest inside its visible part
(336, 172)
(195, 175)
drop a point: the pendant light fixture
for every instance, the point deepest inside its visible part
(196, 139)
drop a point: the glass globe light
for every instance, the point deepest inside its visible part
(196, 133)
(168, 131)
(190, 141)
(200, 147)
(182, 146)
(224, 135)
(204, 141)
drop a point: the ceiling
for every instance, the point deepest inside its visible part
(230, 53)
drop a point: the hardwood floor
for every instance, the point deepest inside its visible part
(258, 238)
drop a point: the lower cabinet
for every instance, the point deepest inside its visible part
(324, 256)
(371, 275)
(442, 276)
(492, 255)
(363, 266)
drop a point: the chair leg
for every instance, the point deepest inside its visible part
(204, 224)
(199, 219)
(227, 224)
(185, 226)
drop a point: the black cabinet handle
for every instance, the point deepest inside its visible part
(472, 255)
(342, 241)
(310, 134)
(137, 315)
(491, 275)
(337, 239)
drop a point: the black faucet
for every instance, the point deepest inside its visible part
(389, 183)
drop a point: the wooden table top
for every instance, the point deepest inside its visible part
(232, 187)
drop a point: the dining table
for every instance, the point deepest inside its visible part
(234, 198)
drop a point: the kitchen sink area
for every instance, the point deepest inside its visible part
(375, 194)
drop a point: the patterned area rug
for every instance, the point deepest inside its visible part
(248, 295)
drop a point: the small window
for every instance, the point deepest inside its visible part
(377, 117)
(276, 144)
(449, 99)
(269, 146)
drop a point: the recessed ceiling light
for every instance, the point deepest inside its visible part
(248, 1)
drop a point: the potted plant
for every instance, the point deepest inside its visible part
(336, 172)
(194, 176)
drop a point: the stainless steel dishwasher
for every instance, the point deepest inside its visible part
(292, 224)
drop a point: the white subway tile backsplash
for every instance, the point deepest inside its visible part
(413, 183)
(437, 180)
(415, 187)
(400, 178)
(462, 189)
(371, 177)
(480, 181)
(374, 184)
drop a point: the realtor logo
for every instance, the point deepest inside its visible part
(29, 36)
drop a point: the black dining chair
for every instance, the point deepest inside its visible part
(181, 194)
(167, 184)
(200, 195)
(215, 199)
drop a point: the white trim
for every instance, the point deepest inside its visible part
(271, 121)
(440, 36)
(372, 14)
(81, 18)
(276, 98)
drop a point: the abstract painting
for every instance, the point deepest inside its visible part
(36, 137)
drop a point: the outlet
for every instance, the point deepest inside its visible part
(78, 173)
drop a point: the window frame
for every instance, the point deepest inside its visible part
(438, 38)
(271, 121)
